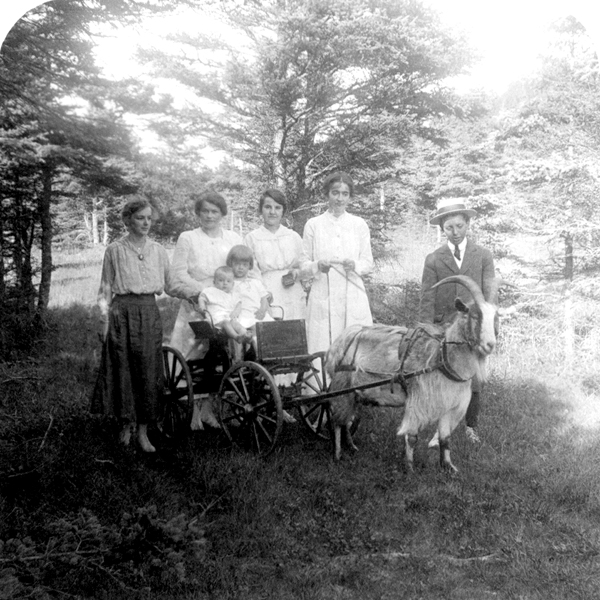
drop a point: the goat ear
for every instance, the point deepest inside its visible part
(461, 306)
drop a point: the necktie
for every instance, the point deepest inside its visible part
(457, 252)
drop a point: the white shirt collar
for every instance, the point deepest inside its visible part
(462, 247)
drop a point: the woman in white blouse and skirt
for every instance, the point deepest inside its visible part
(337, 253)
(197, 255)
(277, 253)
(130, 380)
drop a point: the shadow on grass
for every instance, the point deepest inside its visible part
(519, 520)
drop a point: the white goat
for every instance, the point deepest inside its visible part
(430, 369)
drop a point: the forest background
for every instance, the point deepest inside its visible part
(281, 94)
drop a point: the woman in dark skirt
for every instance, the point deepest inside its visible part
(131, 371)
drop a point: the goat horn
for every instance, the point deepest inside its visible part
(466, 282)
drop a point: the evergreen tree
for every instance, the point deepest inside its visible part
(308, 87)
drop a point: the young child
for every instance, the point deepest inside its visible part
(224, 305)
(252, 293)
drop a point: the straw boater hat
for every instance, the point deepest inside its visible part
(451, 206)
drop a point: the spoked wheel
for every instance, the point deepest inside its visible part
(316, 416)
(178, 395)
(250, 407)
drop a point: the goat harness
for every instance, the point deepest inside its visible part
(407, 344)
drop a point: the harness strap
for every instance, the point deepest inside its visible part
(404, 348)
(445, 367)
(350, 342)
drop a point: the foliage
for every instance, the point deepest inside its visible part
(141, 551)
(311, 87)
(549, 141)
(65, 145)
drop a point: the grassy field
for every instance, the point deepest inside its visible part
(83, 518)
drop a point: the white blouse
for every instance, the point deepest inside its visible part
(332, 238)
(275, 251)
(195, 260)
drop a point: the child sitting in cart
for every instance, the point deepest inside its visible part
(223, 305)
(251, 291)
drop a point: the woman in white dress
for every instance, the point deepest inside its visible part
(337, 253)
(277, 252)
(197, 255)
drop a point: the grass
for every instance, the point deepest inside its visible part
(200, 520)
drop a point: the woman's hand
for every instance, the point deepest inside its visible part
(348, 264)
(324, 266)
(198, 304)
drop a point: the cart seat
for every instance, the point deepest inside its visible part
(281, 339)
(204, 330)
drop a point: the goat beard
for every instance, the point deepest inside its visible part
(481, 373)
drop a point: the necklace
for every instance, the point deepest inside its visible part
(138, 251)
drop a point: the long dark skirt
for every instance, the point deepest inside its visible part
(131, 368)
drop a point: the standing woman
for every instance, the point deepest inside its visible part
(337, 253)
(131, 370)
(277, 252)
(197, 255)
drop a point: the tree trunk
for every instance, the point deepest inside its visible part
(278, 167)
(2, 271)
(105, 228)
(94, 232)
(569, 265)
(569, 334)
(46, 240)
(23, 227)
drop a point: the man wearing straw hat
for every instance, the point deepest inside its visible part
(458, 256)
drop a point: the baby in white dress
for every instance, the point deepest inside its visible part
(250, 290)
(224, 305)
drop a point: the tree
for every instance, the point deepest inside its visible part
(308, 87)
(551, 146)
(59, 122)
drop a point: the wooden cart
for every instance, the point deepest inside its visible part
(251, 393)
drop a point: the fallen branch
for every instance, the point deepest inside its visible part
(47, 431)
(48, 555)
(20, 378)
(120, 582)
(495, 557)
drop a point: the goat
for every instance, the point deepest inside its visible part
(429, 367)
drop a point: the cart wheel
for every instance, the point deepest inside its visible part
(316, 416)
(178, 395)
(250, 407)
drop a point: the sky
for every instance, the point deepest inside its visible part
(508, 34)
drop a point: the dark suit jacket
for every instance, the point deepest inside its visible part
(437, 306)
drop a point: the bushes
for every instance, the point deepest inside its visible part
(395, 303)
(19, 329)
(78, 552)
